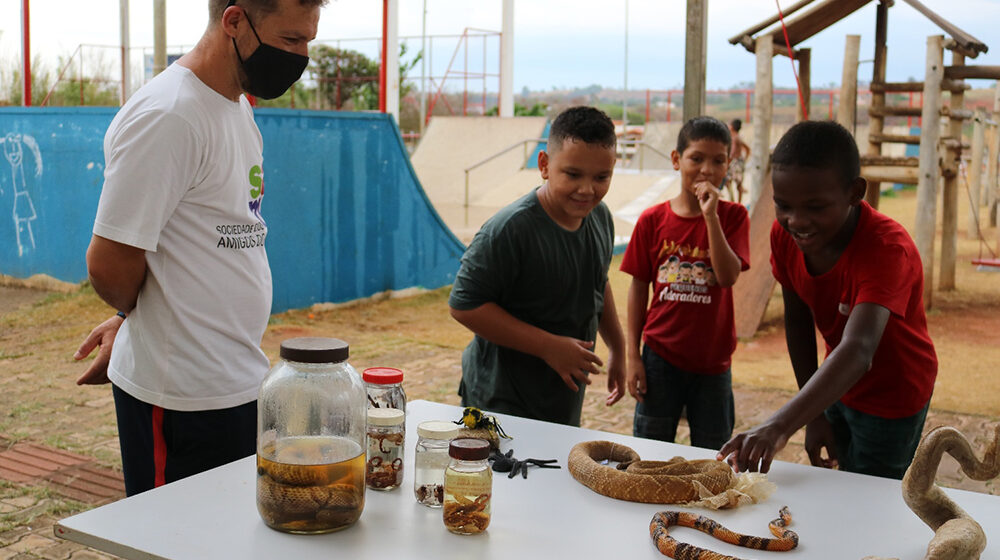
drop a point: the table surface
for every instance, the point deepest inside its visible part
(214, 515)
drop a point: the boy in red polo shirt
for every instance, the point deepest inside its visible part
(854, 274)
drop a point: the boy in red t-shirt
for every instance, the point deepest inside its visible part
(855, 275)
(690, 250)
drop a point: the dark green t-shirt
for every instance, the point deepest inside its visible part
(543, 275)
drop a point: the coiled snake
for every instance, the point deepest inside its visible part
(652, 482)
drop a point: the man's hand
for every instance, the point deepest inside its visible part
(819, 434)
(754, 450)
(103, 336)
(573, 360)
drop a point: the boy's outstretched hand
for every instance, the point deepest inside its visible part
(573, 360)
(754, 449)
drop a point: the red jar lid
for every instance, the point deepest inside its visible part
(469, 449)
(382, 375)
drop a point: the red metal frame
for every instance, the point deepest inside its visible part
(26, 51)
(465, 74)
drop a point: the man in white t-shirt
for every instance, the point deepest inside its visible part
(178, 245)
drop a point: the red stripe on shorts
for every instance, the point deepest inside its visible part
(159, 449)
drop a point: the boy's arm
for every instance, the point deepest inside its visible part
(850, 360)
(724, 260)
(572, 359)
(638, 300)
(611, 332)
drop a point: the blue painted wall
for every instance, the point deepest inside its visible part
(347, 215)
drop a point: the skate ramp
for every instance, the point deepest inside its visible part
(452, 144)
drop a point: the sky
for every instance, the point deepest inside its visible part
(558, 43)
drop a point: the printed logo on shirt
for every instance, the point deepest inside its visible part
(249, 235)
(256, 178)
(684, 275)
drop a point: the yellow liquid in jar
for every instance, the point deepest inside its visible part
(310, 484)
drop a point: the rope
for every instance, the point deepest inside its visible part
(974, 204)
(791, 60)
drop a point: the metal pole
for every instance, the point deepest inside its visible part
(423, 71)
(159, 36)
(26, 53)
(124, 26)
(506, 99)
(625, 88)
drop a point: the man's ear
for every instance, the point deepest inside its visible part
(543, 164)
(231, 18)
(858, 188)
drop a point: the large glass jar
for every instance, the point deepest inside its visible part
(311, 425)
(468, 487)
(431, 459)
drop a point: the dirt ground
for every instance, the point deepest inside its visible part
(40, 403)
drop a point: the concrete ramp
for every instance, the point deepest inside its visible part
(452, 144)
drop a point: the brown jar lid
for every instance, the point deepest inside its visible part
(314, 350)
(469, 449)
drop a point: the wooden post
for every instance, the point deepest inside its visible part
(976, 172)
(992, 163)
(949, 196)
(694, 58)
(876, 122)
(763, 106)
(847, 110)
(802, 113)
(930, 135)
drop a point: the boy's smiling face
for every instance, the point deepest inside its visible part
(577, 176)
(813, 205)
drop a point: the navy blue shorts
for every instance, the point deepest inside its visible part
(708, 399)
(874, 445)
(160, 446)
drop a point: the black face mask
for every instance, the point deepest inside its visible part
(270, 70)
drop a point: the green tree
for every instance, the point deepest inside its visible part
(346, 75)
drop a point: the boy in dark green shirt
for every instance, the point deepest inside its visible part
(533, 285)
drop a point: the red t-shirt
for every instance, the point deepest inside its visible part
(690, 318)
(880, 265)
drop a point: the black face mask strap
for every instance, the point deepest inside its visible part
(245, 14)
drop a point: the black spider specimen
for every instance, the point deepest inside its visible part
(506, 462)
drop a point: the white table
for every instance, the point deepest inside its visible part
(214, 515)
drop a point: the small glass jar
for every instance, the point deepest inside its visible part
(468, 487)
(385, 387)
(431, 461)
(310, 439)
(384, 470)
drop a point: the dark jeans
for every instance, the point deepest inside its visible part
(669, 390)
(160, 446)
(874, 445)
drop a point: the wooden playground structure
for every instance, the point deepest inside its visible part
(941, 148)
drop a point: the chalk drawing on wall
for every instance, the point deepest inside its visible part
(24, 210)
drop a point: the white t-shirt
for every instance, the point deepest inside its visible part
(183, 181)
